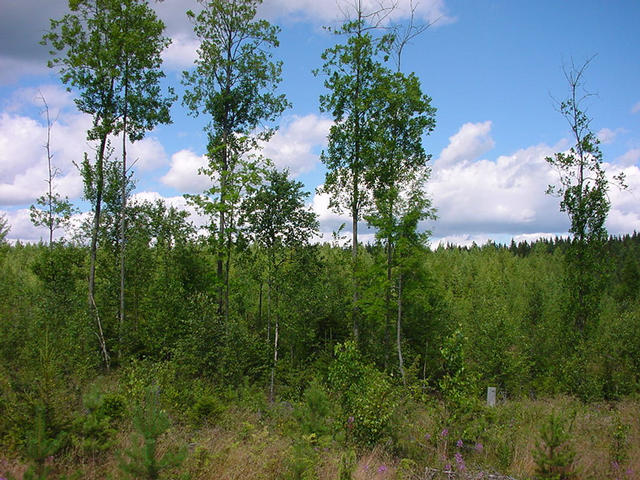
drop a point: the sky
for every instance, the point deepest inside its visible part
(493, 69)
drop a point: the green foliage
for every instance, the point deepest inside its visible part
(303, 460)
(347, 465)
(234, 83)
(553, 453)
(207, 409)
(4, 228)
(619, 448)
(316, 411)
(95, 430)
(40, 447)
(366, 393)
(584, 197)
(150, 423)
(458, 384)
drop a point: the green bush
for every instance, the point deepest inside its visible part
(366, 393)
(94, 430)
(313, 414)
(207, 408)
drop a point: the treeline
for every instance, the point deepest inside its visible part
(474, 316)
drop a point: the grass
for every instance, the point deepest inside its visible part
(256, 443)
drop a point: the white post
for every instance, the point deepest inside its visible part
(491, 396)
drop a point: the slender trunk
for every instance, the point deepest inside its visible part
(51, 174)
(399, 331)
(260, 307)
(424, 362)
(94, 246)
(123, 208)
(355, 207)
(269, 310)
(387, 309)
(354, 260)
(275, 361)
(220, 246)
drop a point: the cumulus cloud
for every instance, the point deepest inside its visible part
(337, 10)
(606, 135)
(471, 141)
(294, 145)
(629, 158)
(22, 25)
(506, 196)
(183, 173)
(22, 229)
(24, 158)
(481, 197)
(182, 52)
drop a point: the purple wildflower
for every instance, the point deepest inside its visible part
(479, 447)
(445, 432)
(382, 468)
(460, 462)
(447, 467)
(629, 472)
(459, 443)
(427, 437)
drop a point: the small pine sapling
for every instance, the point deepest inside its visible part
(150, 422)
(553, 453)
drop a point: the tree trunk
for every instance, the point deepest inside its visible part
(399, 331)
(94, 247)
(123, 208)
(275, 361)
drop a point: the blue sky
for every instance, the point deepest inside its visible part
(492, 69)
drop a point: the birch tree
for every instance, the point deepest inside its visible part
(234, 84)
(109, 52)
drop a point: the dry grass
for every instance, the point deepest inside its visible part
(244, 445)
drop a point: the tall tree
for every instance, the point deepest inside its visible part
(109, 50)
(352, 71)
(234, 83)
(54, 211)
(278, 221)
(403, 115)
(582, 188)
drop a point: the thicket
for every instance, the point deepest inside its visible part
(473, 317)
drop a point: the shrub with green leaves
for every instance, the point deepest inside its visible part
(366, 394)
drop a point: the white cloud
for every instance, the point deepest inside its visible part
(606, 135)
(178, 202)
(463, 240)
(497, 197)
(182, 52)
(294, 143)
(635, 108)
(492, 198)
(22, 229)
(336, 10)
(146, 154)
(24, 158)
(471, 141)
(629, 158)
(183, 173)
